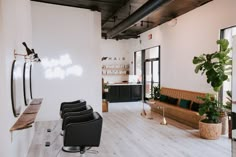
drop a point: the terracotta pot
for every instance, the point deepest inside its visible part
(210, 131)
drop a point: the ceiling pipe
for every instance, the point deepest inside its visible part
(143, 11)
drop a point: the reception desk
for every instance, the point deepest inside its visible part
(124, 92)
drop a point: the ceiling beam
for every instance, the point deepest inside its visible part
(116, 11)
(143, 11)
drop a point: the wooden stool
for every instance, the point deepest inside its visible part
(104, 106)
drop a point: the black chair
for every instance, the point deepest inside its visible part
(233, 120)
(76, 112)
(81, 132)
(72, 104)
(75, 109)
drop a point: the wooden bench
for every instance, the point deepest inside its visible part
(182, 115)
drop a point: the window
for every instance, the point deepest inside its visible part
(138, 64)
(227, 34)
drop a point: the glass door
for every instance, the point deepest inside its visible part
(148, 80)
(151, 77)
(147, 68)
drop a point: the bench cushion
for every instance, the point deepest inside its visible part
(185, 103)
(195, 106)
(172, 101)
(163, 98)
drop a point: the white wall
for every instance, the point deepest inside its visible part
(195, 33)
(15, 27)
(114, 48)
(68, 42)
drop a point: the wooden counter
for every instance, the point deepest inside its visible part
(28, 116)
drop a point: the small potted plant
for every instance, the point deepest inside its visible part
(106, 87)
(155, 93)
(216, 66)
(210, 127)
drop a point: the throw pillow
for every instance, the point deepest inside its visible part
(195, 106)
(185, 103)
(172, 101)
(163, 98)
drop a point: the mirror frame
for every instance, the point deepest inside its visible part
(30, 79)
(12, 90)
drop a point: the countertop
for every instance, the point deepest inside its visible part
(123, 84)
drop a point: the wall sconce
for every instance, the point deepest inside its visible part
(31, 55)
(35, 57)
(104, 58)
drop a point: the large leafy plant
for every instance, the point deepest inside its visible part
(217, 66)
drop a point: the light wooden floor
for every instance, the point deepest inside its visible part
(127, 134)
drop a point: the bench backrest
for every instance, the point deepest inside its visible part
(182, 94)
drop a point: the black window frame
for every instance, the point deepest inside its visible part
(143, 60)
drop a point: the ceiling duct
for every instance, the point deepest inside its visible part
(143, 11)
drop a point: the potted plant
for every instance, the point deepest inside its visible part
(216, 66)
(106, 87)
(210, 127)
(155, 93)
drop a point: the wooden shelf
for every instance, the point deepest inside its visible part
(115, 74)
(115, 68)
(28, 116)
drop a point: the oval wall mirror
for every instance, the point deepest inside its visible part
(30, 81)
(26, 82)
(16, 88)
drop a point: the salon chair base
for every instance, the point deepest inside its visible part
(73, 149)
(76, 149)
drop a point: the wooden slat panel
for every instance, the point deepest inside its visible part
(182, 94)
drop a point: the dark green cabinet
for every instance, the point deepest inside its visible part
(136, 92)
(114, 93)
(124, 93)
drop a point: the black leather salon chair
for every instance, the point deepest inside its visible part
(233, 120)
(75, 112)
(72, 104)
(75, 109)
(82, 132)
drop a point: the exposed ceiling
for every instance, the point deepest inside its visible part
(119, 17)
